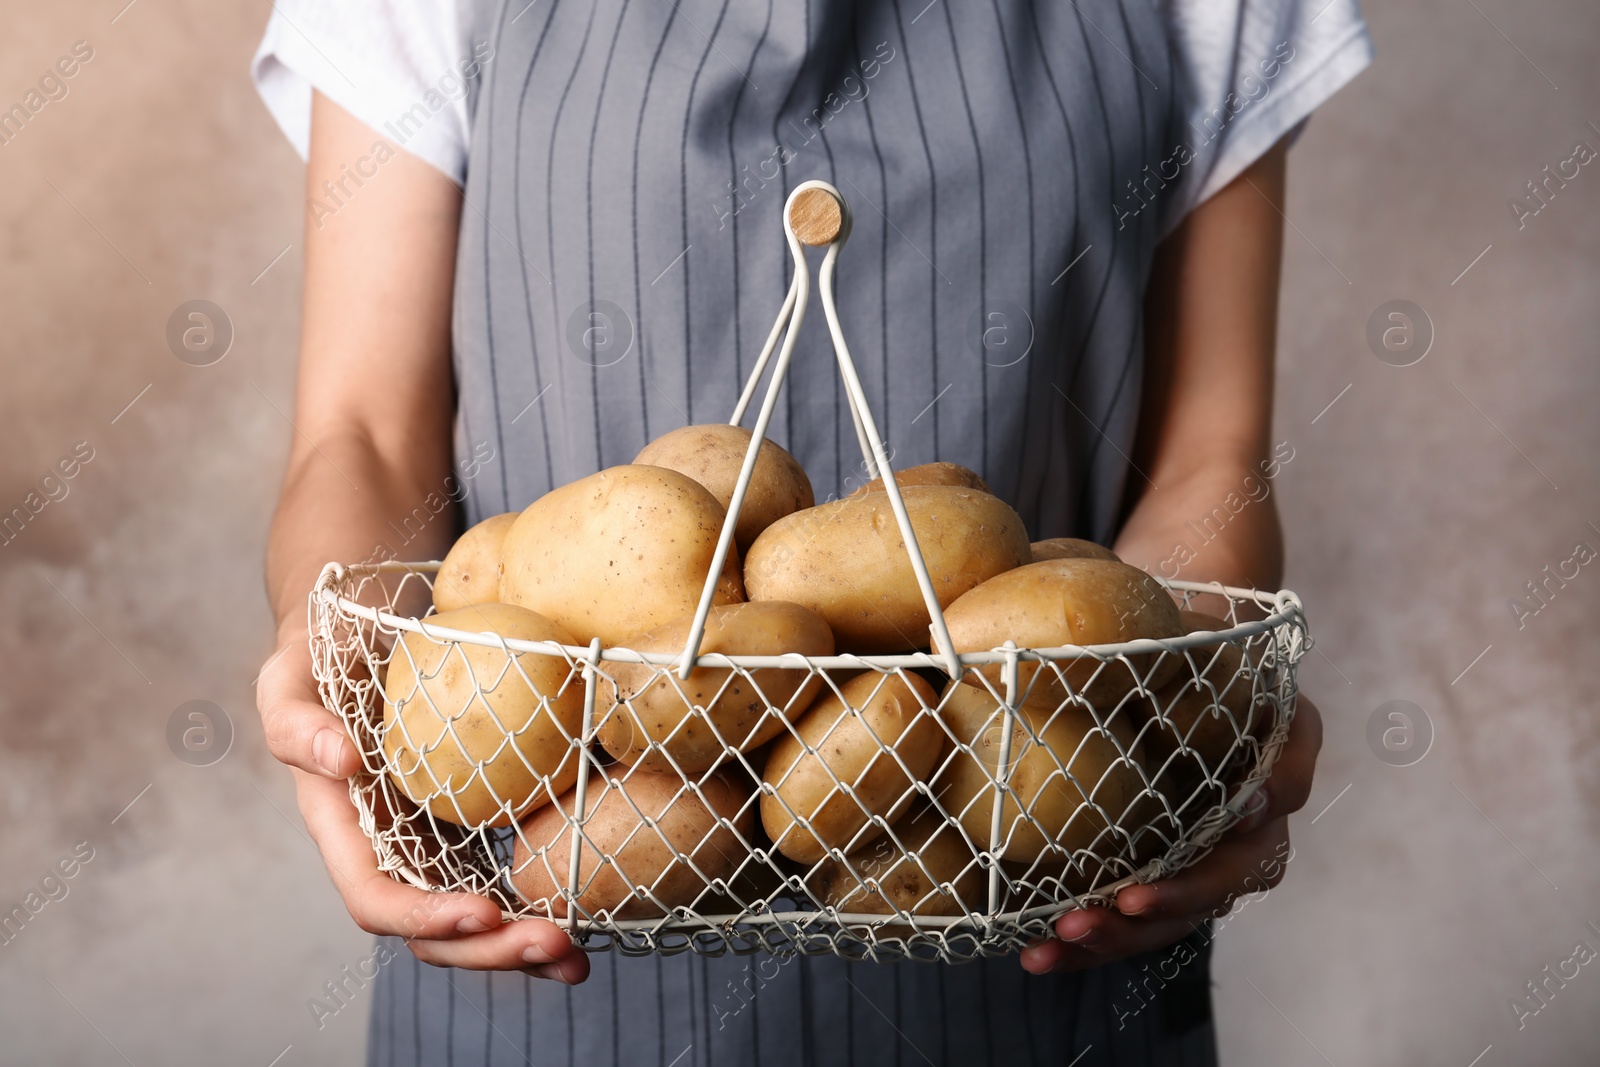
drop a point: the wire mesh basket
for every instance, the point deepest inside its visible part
(929, 805)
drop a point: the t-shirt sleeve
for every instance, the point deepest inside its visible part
(406, 68)
(1249, 73)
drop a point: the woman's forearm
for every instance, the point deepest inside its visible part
(341, 502)
(1219, 525)
(1202, 502)
(369, 474)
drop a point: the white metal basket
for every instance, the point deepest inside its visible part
(1147, 779)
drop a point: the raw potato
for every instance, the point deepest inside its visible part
(1071, 548)
(621, 551)
(930, 474)
(687, 837)
(470, 573)
(680, 715)
(1055, 810)
(888, 880)
(1069, 602)
(712, 455)
(846, 561)
(475, 759)
(856, 749)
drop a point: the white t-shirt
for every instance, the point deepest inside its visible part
(1254, 71)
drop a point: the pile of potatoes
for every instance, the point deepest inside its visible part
(837, 778)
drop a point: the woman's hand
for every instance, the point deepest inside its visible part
(372, 442)
(1248, 859)
(444, 929)
(1204, 439)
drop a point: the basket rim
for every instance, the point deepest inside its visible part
(967, 922)
(1285, 606)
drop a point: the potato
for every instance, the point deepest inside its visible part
(846, 561)
(673, 857)
(712, 454)
(470, 573)
(1070, 548)
(930, 474)
(477, 758)
(621, 551)
(1069, 602)
(1047, 745)
(747, 710)
(890, 879)
(859, 750)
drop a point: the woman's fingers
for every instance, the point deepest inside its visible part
(1150, 916)
(445, 929)
(305, 735)
(1095, 936)
(1240, 864)
(537, 946)
(1289, 786)
(299, 730)
(378, 903)
(1054, 955)
(1251, 858)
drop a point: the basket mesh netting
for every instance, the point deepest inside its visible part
(867, 806)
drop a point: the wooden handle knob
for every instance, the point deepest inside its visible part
(816, 217)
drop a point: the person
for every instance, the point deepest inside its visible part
(541, 233)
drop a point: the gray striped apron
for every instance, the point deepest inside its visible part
(621, 262)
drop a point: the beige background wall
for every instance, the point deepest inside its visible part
(1418, 904)
(1423, 900)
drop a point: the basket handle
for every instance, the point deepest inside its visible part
(815, 214)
